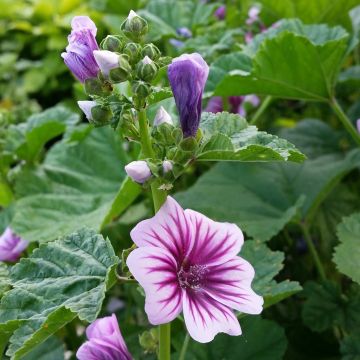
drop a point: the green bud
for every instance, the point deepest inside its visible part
(134, 27)
(149, 340)
(94, 86)
(112, 43)
(141, 89)
(133, 51)
(146, 69)
(188, 144)
(151, 51)
(100, 115)
(121, 73)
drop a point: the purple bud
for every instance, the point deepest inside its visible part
(235, 104)
(86, 107)
(167, 166)
(253, 15)
(105, 341)
(139, 171)
(162, 117)
(79, 56)
(252, 99)
(176, 43)
(184, 32)
(106, 60)
(187, 75)
(214, 105)
(358, 125)
(220, 12)
(11, 246)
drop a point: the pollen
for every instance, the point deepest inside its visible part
(192, 277)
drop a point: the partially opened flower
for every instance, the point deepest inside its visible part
(11, 246)
(139, 171)
(187, 75)
(105, 341)
(79, 56)
(187, 262)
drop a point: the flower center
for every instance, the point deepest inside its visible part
(192, 276)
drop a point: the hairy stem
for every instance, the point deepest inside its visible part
(345, 121)
(313, 251)
(159, 197)
(184, 347)
(264, 105)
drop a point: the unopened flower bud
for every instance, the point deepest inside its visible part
(122, 72)
(106, 60)
(112, 43)
(151, 51)
(96, 114)
(139, 171)
(162, 117)
(146, 69)
(167, 166)
(86, 107)
(11, 246)
(134, 27)
(141, 89)
(133, 51)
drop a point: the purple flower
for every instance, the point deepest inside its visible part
(86, 106)
(79, 56)
(184, 32)
(214, 105)
(167, 166)
(187, 74)
(187, 262)
(176, 43)
(162, 117)
(11, 246)
(220, 12)
(106, 60)
(139, 171)
(253, 15)
(105, 341)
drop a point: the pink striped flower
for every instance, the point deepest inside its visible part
(187, 262)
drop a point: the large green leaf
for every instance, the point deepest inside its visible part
(350, 347)
(347, 254)
(320, 11)
(27, 139)
(51, 349)
(291, 61)
(265, 271)
(229, 137)
(326, 306)
(59, 281)
(261, 340)
(262, 198)
(74, 187)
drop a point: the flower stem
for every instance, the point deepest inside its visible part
(184, 347)
(345, 120)
(261, 110)
(159, 197)
(313, 251)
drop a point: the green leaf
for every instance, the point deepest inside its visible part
(310, 57)
(74, 187)
(263, 198)
(51, 349)
(347, 254)
(350, 347)
(4, 278)
(265, 271)
(314, 138)
(159, 94)
(261, 340)
(59, 281)
(320, 11)
(325, 307)
(229, 137)
(27, 139)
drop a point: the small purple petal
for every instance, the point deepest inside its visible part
(139, 171)
(187, 74)
(235, 103)
(86, 107)
(184, 32)
(253, 15)
(106, 60)
(252, 99)
(220, 12)
(11, 246)
(176, 43)
(167, 166)
(214, 105)
(162, 117)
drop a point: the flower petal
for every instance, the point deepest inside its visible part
(214, 242)
(156, 271)
(230, 284)
(205, 317)
(169, 229)
(97, 349)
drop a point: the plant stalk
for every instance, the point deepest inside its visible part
(159, 197)
(264, 105)
(313, 251)
(345, 121)
(184, 347)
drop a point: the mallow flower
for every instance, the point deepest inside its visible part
(11, 245)
(253, 15)
(105, 341)
(79, 56)
(188, 263)
(139, 171)
(187, 75)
